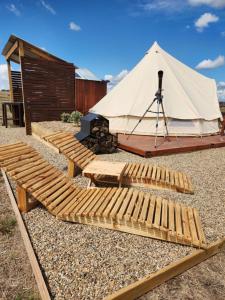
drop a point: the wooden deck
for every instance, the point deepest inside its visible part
(145, 145)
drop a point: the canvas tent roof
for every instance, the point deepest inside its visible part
(188, 95)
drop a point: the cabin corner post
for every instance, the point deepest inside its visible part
(10, 79)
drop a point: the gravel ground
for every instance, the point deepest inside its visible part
(16, 278)
(91, 262)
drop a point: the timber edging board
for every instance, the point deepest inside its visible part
(42, 288)
(155, 279)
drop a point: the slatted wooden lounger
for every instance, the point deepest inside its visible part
(120, 209)
(139, 174)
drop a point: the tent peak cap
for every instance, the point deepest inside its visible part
(155, 46)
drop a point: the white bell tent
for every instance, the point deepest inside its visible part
(189, 98)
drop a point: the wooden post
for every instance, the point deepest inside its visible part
(22, 199)
(10, 79)
(71, 168)
(26, 106)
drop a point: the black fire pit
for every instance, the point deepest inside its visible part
(94, 134)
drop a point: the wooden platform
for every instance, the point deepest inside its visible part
(145, 145)
(122, 209)
(135, 174)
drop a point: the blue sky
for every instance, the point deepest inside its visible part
(111, 36)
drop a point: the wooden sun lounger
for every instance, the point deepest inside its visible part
(120, 209)
(136, 174)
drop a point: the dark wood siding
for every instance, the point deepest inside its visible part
(88, 93)
(17, 86)
(48, 90)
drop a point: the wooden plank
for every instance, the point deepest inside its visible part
(157, 217)
(30, 171)
(20, 163)
(60, 208)
(74, 202)
(112, 202)
(118, 203)
(4, 147)
(57, 194)
(42, 180)
(13, 155)
(149, 282)
(92, 203)
(193, 229)
(125, 204)
(200, 232)
(178, 219)
(138, 206)
(164, 220)
(105, 202)
(185, 222)
(13, 160)
(27, 243)
(26, 166)
(145, 207)
(27, 178)
(131, 205)
(85, 203)
(171, 216)
(98, 203)
(151, 212)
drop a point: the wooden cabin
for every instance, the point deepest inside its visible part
(46, 84)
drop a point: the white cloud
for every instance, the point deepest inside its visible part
(204, 21)
(73, 26)
(211, 3)
(4, 82)
(114, 80)
(221, 90)
(211, 64)
(48, 7)
(12, 8)
(167, 5)
(175, 5)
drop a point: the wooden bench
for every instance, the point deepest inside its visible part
(135, 174)
(122, 209)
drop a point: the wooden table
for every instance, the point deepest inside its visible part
(105, 168)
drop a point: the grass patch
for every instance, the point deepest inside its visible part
(7, 225)
(26, 296)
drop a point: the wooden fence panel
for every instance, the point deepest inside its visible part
(88, 93)
(48, 90)
(17, 86)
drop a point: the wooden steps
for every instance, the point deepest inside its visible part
(122, 209)
(136, 174)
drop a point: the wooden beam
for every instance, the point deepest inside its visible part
(42, 55)
(10, 79)
(21, 49)
(11, 50)
(153, 280)
(27, 243)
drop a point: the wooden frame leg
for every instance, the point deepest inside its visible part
(73, 170)
(22, 199)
